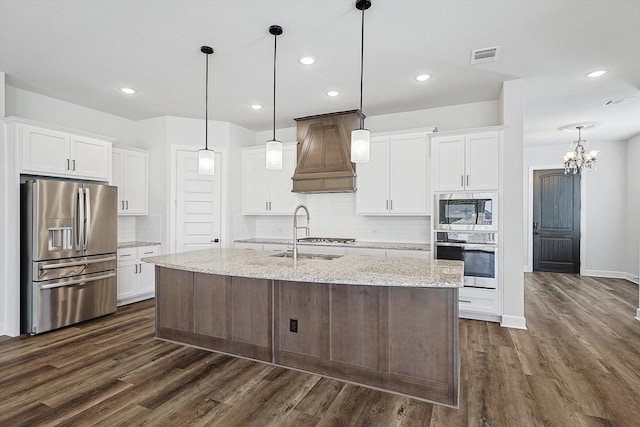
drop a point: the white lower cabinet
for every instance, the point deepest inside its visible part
(136, 278)
(480, 304)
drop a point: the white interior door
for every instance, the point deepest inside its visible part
(198, 204)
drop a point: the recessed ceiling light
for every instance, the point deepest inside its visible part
(597, 73)
(307, 60)
(256, 107)
(423, 77)
(127, 90)
(333, 93)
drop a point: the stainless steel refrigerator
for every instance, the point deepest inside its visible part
(68, 248)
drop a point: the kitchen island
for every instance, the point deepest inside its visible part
(386, 323)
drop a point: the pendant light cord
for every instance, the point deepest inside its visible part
(361, 69)
(206, 105)
(275, 48)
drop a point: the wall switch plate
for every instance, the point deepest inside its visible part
(293, 325)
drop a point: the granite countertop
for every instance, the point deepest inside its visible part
(347, 269)
(356, 244)
(135, 244)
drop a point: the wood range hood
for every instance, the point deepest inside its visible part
(324, 153)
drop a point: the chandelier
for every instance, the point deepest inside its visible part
(578, 159)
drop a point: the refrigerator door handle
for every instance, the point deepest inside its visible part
(79, 220)
(87, 234)
(75, 263)
(77, 281)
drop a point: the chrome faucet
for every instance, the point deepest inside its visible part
(295, 229)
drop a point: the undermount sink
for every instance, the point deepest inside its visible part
(326, 240)
(306, 256)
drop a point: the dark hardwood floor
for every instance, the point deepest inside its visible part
(577, 364)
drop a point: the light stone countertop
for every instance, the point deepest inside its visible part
(356, 244)
(347, 269)
(135, 244)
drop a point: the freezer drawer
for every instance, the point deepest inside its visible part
(53, 304)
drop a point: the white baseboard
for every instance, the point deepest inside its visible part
(479, 316)
(632, 278)
(15, 332)
(612, 274)
(136, 298)
(515, 322)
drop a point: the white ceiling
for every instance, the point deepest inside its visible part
(83, 51)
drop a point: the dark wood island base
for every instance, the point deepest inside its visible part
(398, 339)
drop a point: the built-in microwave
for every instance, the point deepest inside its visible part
(466, 211)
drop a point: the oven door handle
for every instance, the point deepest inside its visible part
(483, 248)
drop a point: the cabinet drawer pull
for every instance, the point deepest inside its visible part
(74, 165)
(127, 204)
(391, 204)
(462, 180)
(465, 300)
(136, 272)
(467, 180)
(124, 255)
(147, 253)
(67, 164)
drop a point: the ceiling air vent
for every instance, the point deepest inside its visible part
(488, 54)
(618, 101)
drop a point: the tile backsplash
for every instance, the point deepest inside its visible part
(333, 215)
(146, 228)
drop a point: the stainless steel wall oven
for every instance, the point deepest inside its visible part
(478, 251)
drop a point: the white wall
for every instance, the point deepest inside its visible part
(604, 206)
(158, 136)
(633, 208)
(4, 243)
(511, 109)
(30, 105)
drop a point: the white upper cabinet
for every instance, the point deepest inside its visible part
(466, 162)
(130, 175)
(395, 181)
(268, 192)
(52, 152)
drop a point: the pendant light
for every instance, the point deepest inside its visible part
(206, 161)
(360, 137)
(274, 147)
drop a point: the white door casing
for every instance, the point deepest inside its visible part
(198, 204)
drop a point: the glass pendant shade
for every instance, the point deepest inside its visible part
(206, 162)
(360, 145)
(274, 155)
